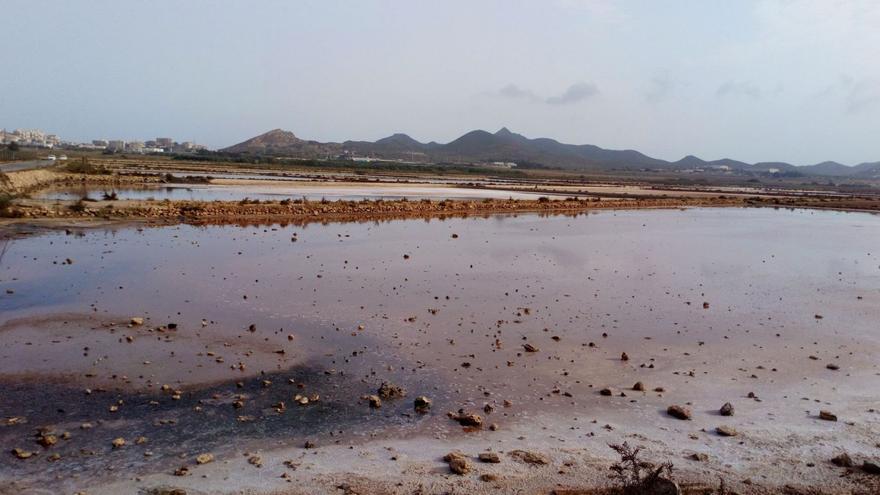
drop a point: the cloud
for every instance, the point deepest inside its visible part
(862, 95)
(575, 93)
(660, 89)
(515, 92)
(855, 96)
(739, 88)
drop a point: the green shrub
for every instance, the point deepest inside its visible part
(85, 167)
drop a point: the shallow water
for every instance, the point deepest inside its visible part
(207, 192)
(355, 304)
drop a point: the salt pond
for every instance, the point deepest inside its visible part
(442, 307)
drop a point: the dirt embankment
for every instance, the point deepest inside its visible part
(232, 212)
(27, 181)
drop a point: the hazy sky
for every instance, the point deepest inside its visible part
(795, 81)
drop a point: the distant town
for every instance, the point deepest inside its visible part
(36, 138)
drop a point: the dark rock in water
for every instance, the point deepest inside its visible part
(827, 416)
(467, 419)
(422, 403)
(390, 391)
(679, 412)
(726, 409)
(843, 460)
(374, 400)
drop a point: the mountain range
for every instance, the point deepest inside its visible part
(479, 147)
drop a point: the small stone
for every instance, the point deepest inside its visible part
(726, 431)
(458, 463)
(374, 400)
(639, 387)
(490, 457)
(47, 440)
(832, 366)
(137, 321)
(118, 443)
(606, 392)
(487, 477)
(827, 416)
(679, 412)
(467, 419)
(21, 454)
(390, 391)
(422, 404)
(842, 460)
(530, 348)
(529, 457)
(204, 458)
(726, 409)
(699, 457)
(624, 357)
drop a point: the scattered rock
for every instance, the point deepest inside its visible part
(21, 454)
(490, 457)
(606, 392)
(726, 431)
(374, 400)
(530, 348)
(624, 357)
(487, 477)
(699, 457)
(726, 409)
(639, 387)
(827, 416)
(842, 460)
(529, 457)
(679, 412)
(422, 404)
(137, 321)
(832, 366)
(118, 443)
(204, 458)
(47, 439)
(467, 419)
(391, 391)
(458, 463)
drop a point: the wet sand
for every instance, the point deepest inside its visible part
(443, 308)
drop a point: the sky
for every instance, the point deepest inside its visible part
(794, 80)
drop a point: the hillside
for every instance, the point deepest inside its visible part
(480, 146)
